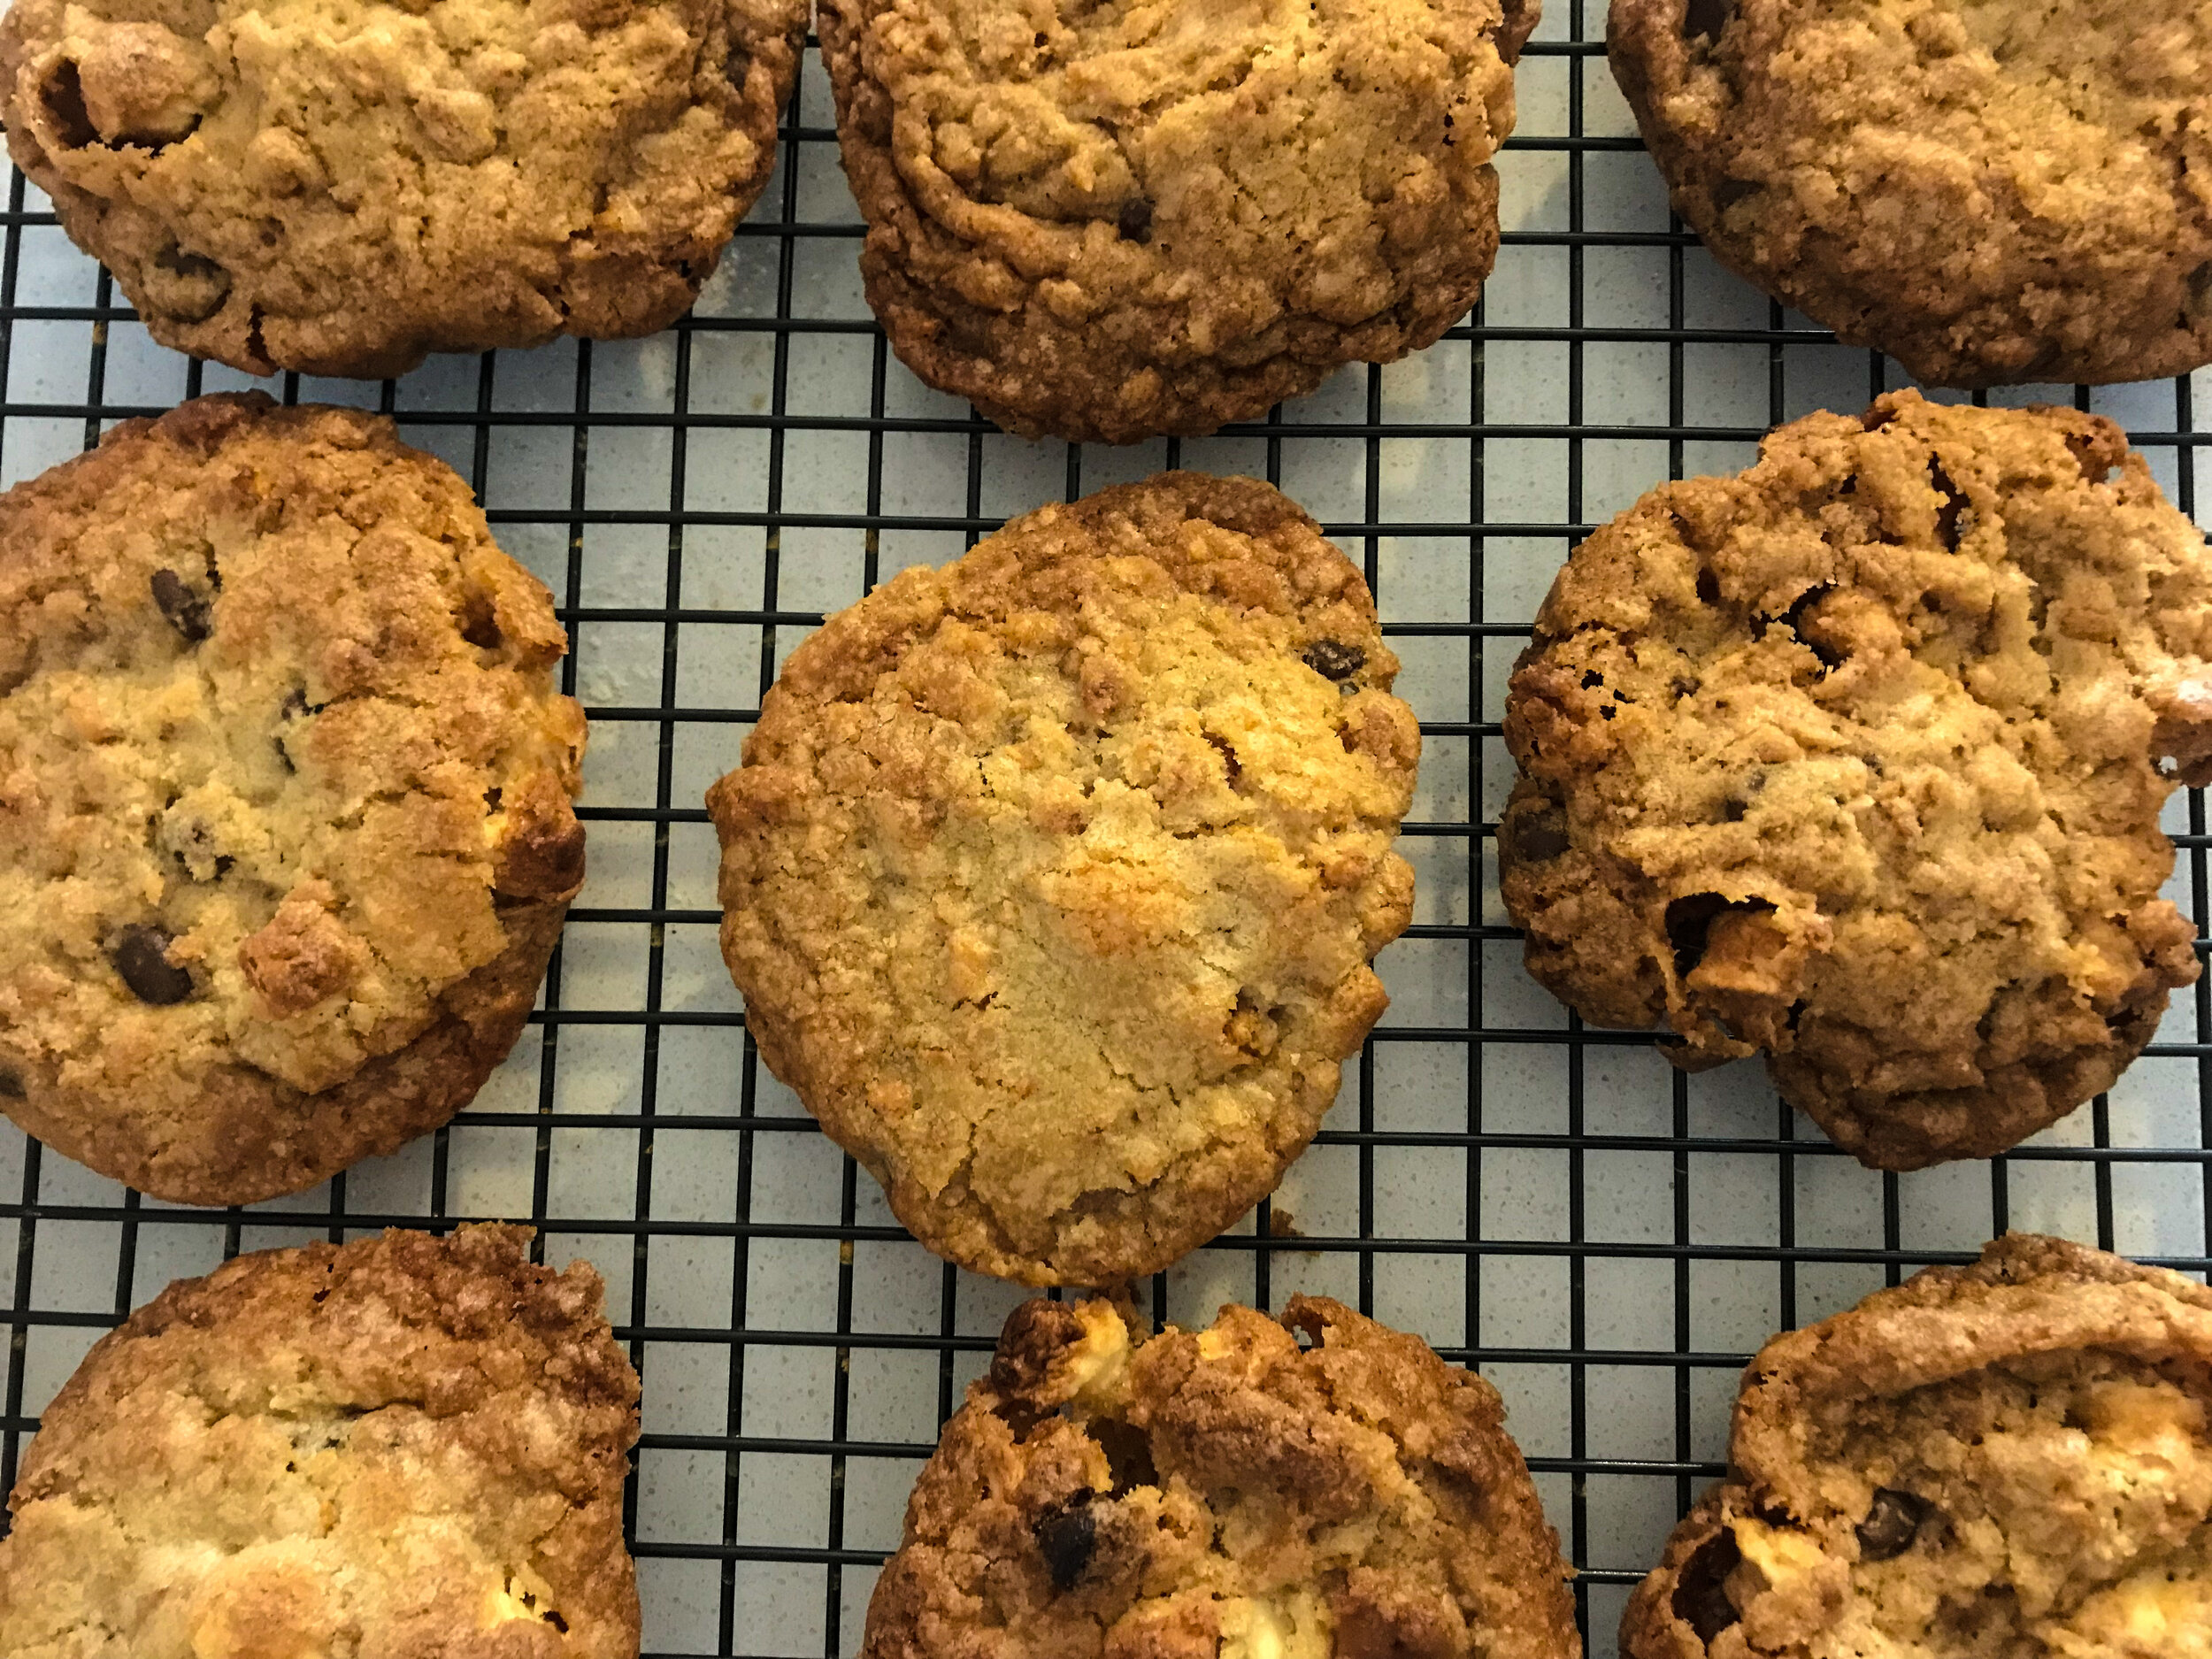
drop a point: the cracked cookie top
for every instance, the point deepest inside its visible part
(1990, 190)
(404, 1446)
(1858, 758)
(343, 185)
(1321, 1486)
(284, 788)
(1052, 876)
(2011, 1457)
(1111, 221)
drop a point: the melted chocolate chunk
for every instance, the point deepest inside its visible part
(186, 609)
(480, 622)
(192, 288)
(1706, 19)
(1066, 1535)
(1332, 659)
(1134, 221)
(1700, 1594)
(1688, 920)
(64, 97)
(1128, 1453)
(1537, 836)
(1891, 1522)
(140, 954)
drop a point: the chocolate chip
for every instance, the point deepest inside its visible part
(1332, 659)
(1029, 1345)
(1020, 1416)
(64, 97)
(1232, 767)
(187, 610)
(1728, 192)
(1954, 504)
(1539, 842)
(1705, 18)
(1066, 1535)
(480, 624)
(188, 287)
(1128, 1450)
(141, 956)
(1134, 221)
(11, 1083)
(1732, 810)
(1891, 1523)
(1530, 838)
(1708, 589)
(2095, 467)
(1791, 618)
(1688, 920)
(1700, 1596)
(294, 705)
(192, 843)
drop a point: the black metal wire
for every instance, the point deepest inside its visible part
(723, 1410)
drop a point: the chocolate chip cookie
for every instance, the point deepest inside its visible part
(342, 189)
(2008, 1458)
(1857, 758)
(284, 825)
(400, 1446)
(1052, 877)
(1111, 221)
(1254, 1491)
(1989, 190)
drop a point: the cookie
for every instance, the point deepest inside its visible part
(1255, 1491)
(1112, 221)
(2010, 1458)
(285, 832)
(1989, 190)
(1052, 877)
(1857, 758)
(342, 190)
(401, 1445)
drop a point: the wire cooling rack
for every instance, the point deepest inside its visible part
(1605, 1238)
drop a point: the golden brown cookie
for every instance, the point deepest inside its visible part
(1324, 1486)
(1989, 190)
(404, 1447)
(1052, 876)
(343, 187)
(2007, 1459)
(1112, 221)
(1857, 758)
(285, 832)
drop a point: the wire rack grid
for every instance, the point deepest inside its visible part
(1605, 1238)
